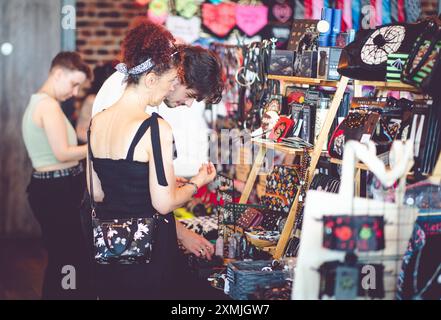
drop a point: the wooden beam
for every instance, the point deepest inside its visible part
(315, 156)
(253, 174)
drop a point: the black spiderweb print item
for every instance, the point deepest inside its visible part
(381, 43)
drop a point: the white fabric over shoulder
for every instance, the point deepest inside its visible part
(111, 91)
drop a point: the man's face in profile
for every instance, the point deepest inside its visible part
(180, 96)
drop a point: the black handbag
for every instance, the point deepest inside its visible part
(366, 57)
(359, 125)
(119, 240)
(423, 68)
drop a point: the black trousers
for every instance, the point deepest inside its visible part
(56, 205)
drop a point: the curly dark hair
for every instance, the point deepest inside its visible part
(148, 40)
(202, 73)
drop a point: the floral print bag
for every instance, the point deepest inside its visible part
(123, 241)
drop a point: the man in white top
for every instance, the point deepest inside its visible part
(201, 81)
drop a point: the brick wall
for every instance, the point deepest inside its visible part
(101, 26)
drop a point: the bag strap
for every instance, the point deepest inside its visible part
(89, 162)
(157, 152)
(138, 136)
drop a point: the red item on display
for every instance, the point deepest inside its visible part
(296, 97)
(281, 129)
(220, 19)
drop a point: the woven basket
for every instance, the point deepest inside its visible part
(245, 276)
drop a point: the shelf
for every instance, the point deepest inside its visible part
(359, 165)
(309, 81)
(268, 144)
(393, 86)
(271, 250)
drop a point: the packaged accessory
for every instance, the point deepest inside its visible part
(250, 218)
(282, 128)
(275, 98)
(303, 33)
(231, 212)
(306, 64)
(282, 62)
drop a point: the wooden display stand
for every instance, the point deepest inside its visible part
(316, 152)
(315, 156)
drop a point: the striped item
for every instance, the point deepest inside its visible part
(395, 64)
(427, 68)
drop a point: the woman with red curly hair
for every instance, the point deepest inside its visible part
(132, 164)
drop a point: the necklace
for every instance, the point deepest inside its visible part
(304, 177)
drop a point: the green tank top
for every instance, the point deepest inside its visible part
(35, 139)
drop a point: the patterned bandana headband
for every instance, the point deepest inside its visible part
(141, 68)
